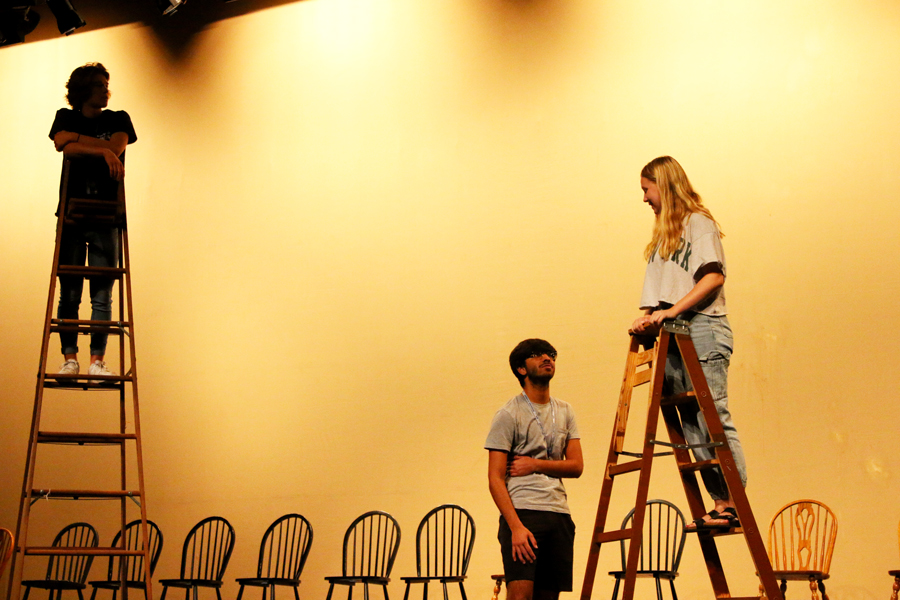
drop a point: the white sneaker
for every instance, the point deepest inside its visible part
(70, 367)
(98, 367)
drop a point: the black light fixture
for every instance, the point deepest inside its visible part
(167, 7)
(67, 19)
(16, 23)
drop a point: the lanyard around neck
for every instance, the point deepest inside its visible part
(548, 440)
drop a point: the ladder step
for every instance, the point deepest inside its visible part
(58, 494)
(111, 272)
(79, 551)
(642, 377)
(699, 466)
(717, 532)
(613, 536)
(97, 382)
(633, 465)
(60, 437)
(644, 358)
(85, 327)
(677, 399)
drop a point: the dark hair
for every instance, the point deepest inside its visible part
(524, 351)
(79, 84)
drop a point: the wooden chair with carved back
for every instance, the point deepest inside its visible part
(801, 542)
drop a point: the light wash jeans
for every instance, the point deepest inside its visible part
(101, 248)
(714, 342)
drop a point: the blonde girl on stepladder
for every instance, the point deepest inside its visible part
(685, 278)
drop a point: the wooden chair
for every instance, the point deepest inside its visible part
(134, 565)
(70, 571)
(895, 574)
(444, 544)
(801, 541)
(370, 547)
(282, 555)
(7, 545)
(204, 557)
(661, 547)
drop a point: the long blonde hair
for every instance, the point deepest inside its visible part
(677, 199)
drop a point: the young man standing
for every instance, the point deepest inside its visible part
(96, 139)
(534, 443)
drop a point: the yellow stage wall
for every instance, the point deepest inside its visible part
(345, 213)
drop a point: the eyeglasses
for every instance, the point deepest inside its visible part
(552, 355)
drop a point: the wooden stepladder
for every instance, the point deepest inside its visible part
(646, 364)
(89, 213)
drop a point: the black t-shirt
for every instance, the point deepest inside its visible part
(89, 176)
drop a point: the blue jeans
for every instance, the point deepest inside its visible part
(101, 248)
(714, 342)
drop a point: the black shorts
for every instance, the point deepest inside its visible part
(555, 535)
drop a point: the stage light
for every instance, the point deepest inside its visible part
(167, 7)
(16, 23)
(67, 20)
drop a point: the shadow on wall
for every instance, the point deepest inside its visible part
(175, 31)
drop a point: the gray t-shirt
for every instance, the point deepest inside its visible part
(516, 430)
(670, 280)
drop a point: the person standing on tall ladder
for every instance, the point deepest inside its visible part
(685, 279)
(96, 139)
(533, 443)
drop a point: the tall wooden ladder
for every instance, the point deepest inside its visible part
(646, 364)
(74, 212)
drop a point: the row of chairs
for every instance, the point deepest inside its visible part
(444, 542)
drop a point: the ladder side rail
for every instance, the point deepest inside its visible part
(657, 379)
(123, 422)
(616, 445)
(25, 500)
(126, 261)
(729, 470)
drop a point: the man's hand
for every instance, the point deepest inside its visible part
(116, 168)
(644, 325)
(523, 545)
(522, 465)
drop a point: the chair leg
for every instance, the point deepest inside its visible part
(330, 589)
(672, 585)
(462, 591)
(814, 588)
(658, 589)
(822, 587)
(406, 591)
(783, 588)
(386, 597)
(616, 589)
(896, 587)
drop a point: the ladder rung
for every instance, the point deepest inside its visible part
(678, 399)
(641, 377)
(643, 358)
(628, 467)
(613, 536)
(53, 494)
(98, 382)
(113, 272)
(60, 437)
(699, 466)
(86, 327)
(80, 551)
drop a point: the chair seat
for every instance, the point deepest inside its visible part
(190, 582)
(799, 575)
(441, 578)
(894, 573)
(114, 585)
(358, 579)
(266, 581)
(54, 584)
(661, 574)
